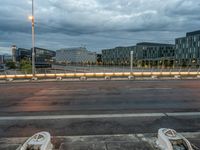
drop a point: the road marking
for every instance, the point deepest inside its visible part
(151, 89)
(80, 116)
(56, 91)
(183, 114)
(67, 90)
(11, 118)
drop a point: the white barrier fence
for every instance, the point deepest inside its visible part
(111, 74)
(107, 72)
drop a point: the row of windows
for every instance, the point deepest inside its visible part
(187, 45)
(188, 39)
(182, 56)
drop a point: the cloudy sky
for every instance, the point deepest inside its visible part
(96, 24)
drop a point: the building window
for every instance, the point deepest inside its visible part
(195, 38)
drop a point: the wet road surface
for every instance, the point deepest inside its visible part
(95, 98)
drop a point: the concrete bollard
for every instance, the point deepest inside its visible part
(34, 79)
(83, 78)
(177, 77)
(154, 77)
(131, 77)
(58, 78)
(107, 78)
(9, 79)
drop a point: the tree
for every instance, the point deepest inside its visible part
(11, 65)
(26, 66)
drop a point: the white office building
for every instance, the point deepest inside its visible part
(75, 55)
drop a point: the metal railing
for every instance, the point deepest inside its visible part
(99, 71)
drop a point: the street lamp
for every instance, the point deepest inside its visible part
(32, 18)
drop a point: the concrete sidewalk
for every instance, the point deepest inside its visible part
(102, 142)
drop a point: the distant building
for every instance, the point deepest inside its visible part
(117, 56)
(1, 59)
(7, 58)
(188, 49)
(22, 53)
(2, 67)
(99, 58)
(43, 57)
(144, 53)
(75, 55)
(154, 54)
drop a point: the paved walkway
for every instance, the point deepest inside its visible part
(102, 142)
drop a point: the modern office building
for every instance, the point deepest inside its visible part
(155, 54)
(75, 55)
(188, 49)
(117, 56)
(7, 58)
(22, 53)
(2, 67)
(1, 59)
(144, 54)
(99, 59)
(43, 57)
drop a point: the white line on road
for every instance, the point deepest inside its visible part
(183, 114)
(11, 118)
(81, 116)
(151, 88)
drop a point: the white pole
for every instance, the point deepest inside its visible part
(131, 61)
(33, 40)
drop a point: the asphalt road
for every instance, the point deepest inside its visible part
(75, 108)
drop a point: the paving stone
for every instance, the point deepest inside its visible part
(9, 147)
(129, 146)
(83, 146)
(102, 142)
(195, 143)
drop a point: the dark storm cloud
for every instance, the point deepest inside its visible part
(96, 23)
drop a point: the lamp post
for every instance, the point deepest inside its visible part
(32, 18)
(131, 61)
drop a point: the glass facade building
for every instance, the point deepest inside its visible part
(43, 57)
(118, 55)
(22, 53)
(1, 59)
(188, 49)
(143, 54)
(75, 55)
(155, 54)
